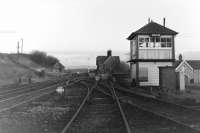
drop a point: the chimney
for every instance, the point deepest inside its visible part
(164, 22)
(180, 57)
(109, 53)
(149, 20)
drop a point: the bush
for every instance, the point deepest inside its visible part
(51, 61)
(124, 67)
(38, 57)
(43, 59)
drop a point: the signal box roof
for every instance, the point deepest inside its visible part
(152, 28)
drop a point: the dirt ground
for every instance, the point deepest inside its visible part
(191, 97)
(46, 114)
(195, 94)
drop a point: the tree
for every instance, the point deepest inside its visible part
(43, 59)
(38, 57)
(124, 67)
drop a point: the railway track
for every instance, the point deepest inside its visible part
(73, 100)
(98, 113)
(106, 109)
(14, 87)
(179, 113)
(48, 113)
(142, 120)
(10, 99)
(18, 91)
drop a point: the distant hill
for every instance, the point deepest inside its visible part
(191, 55)
(83, 59)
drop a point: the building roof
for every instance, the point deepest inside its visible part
(176, 63)
(112, 59)
(182, 64)
(100, 59)
(195, 64)
(152, 28)
(112, 63)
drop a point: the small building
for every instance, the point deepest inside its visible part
(185, 72)
(179, 76)
(107, 64)
(195, 65)
(151, 47)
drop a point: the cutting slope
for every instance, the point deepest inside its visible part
(13, 67)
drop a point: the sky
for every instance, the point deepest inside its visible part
(93, 25)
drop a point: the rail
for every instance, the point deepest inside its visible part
(21, 98)
(89, 91)
(128, 129)
(163, 116)
(114, 95)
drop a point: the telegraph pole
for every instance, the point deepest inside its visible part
(88, 64)
(18, 49)
(22, 46)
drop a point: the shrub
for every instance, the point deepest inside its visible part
(124, 67)
(43, 59)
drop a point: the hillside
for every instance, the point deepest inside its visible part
(13, 67)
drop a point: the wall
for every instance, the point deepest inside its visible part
(133, 49)
(155, 53)
(153, 72)
(133, 70)
(196, 76)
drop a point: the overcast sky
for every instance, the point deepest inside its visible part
(93, 25)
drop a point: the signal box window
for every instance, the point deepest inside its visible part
(155, 42)
(166, 42)
(144, 42)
